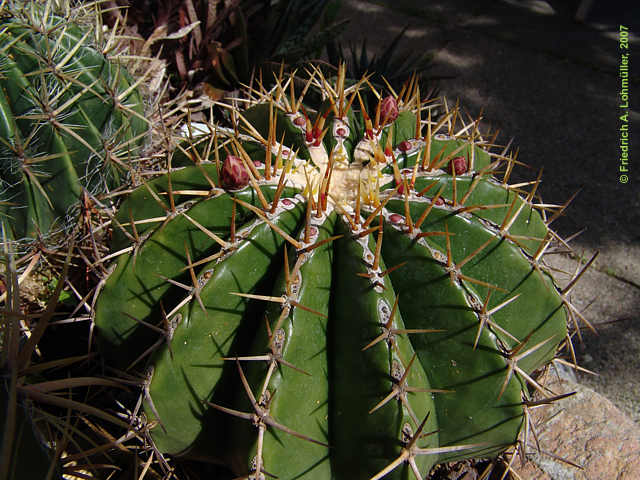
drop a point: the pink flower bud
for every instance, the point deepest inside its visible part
(396, 218)
(234, 174)
(404, 146)
(459, 164)
(388, 109)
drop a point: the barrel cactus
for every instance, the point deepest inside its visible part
(339, 286)
(69, 117)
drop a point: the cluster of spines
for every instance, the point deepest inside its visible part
(361, 227)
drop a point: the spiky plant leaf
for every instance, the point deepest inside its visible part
(392, 64)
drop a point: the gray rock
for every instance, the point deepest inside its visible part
(587, 430)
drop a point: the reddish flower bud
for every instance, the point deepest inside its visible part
(396, 218)
(404, 146)
(234, 174)
(459, 164)
(300, 121)
(388, 109)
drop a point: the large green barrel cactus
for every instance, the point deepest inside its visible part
(69, 117)
(340, 287)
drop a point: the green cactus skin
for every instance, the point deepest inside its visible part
(69, 117)
(371, 318)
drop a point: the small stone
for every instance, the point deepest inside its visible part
(234, 174)
(588, 430)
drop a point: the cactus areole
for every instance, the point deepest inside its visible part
(357, 310)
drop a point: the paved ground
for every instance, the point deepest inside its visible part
(554, 85)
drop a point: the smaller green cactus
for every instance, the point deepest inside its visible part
(339, 293)
(69, 118)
